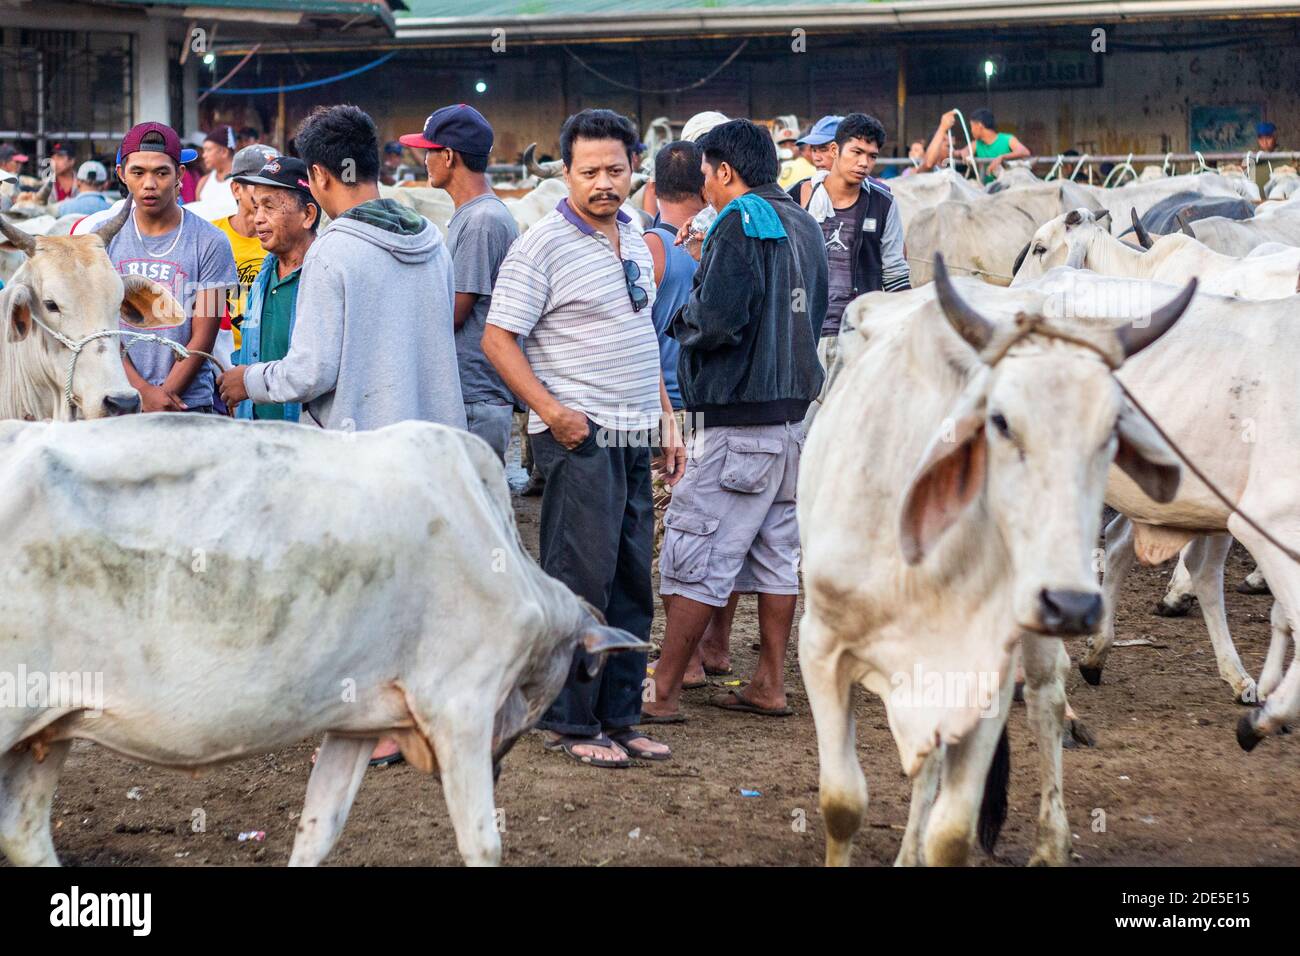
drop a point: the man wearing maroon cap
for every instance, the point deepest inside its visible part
(183, 252)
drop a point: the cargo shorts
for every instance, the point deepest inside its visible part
(731, 524)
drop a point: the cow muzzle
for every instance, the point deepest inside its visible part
(1063, 613)
(121, 403)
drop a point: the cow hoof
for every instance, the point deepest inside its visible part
(1177, 608)
(1091, 674)
(1247, 736)
(1245, 587)
(1077, 734)
(1018, 695)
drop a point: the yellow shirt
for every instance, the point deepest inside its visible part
(794, 170)
(248, 261)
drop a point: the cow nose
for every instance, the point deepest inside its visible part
(124, 403)
(1069, 612)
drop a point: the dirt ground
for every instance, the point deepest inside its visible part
(1166, 773)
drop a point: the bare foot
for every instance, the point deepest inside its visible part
(386, 747)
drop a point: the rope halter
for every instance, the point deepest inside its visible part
(76, 346)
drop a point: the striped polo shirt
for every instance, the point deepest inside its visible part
(563, 288)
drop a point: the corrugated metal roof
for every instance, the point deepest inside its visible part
(354, 7)
(541, 8)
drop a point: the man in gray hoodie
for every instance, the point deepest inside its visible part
(374, 341)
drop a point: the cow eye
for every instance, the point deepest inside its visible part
(50, 305)
(1000, 424)
(1040, 250)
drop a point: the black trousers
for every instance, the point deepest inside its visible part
(597, 535)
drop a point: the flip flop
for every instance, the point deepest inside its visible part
(566, 744)
(624, 739)
(656, 719)
(650, 670)
(717, 671)
(388, 761)
(733, 700)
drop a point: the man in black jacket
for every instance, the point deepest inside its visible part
(747, 373)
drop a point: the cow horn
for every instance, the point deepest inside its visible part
(43, 194)
(1020, 259)
(541, 170)
(1104, 214)
(1183, 224)
(23, 241)
(108, 232)
(1133, 340)
(969, 324)
(1143, 237)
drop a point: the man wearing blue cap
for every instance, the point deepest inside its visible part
(459, 140)
(820, 141)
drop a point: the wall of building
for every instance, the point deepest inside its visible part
(1142, 104)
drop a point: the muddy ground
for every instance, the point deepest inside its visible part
(1166, 772)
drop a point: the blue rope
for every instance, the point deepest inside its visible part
(254, 90)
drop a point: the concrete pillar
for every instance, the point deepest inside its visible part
(152, 68)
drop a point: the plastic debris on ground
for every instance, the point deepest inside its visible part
(255, 835)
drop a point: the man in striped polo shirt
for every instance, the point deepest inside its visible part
(579, 286)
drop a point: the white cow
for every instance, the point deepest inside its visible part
(393, 598)
(1274, 222)
(949, 501)
(67, 286)
(1143, 194)
(1077, 240)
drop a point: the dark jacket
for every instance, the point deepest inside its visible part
(749, 330)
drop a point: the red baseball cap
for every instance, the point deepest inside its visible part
(134, 142)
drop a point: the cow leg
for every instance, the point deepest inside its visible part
(1271, 676)
(1046, 662)
(950, 831)
(463, 745)
(1178, 596)
(26, 794)
(828, 679)
(331, 788)
(1119, 561)
(1205, 558)
(924, 789)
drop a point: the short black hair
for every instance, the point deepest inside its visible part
(249, 132)
(333, 136)
(984, 118)
(597, 124)
(678, 176)
(860, 126)
(474, 162)
(304, 200)
(744, 146)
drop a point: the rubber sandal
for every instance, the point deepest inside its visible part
(388, 761)
(566, 745)
(717, 671)
(733, 700)
(650, 672)
(624, 739)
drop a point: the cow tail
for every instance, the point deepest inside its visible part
(993, 808)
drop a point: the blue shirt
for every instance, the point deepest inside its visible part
(672, 292)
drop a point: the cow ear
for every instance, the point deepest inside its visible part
(950, 476)
(148, 305)
(1145, 457)
(16, 311)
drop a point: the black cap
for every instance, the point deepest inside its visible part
(283, 172)
(459, 127)
(62, 148)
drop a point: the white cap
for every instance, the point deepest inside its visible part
(701, 123)
(92, 171)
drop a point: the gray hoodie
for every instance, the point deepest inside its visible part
(373, 339)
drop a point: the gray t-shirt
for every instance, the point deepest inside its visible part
(196, 259)
(479, 234)
(837, 231)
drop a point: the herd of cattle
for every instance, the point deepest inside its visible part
(954, 533)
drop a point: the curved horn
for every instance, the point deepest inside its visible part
(23, 241)
(969, 324)
(541, 170)
(1133, 340)
(1183, 224)
(1104, 214)
(108, 232)
(1020, 259)
(1143, 237)
(43, 194)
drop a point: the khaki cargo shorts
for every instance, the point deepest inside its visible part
(731, 523)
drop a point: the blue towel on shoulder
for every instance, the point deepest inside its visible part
(757, 217)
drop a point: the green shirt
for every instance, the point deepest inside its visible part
(277, 313)
(1000, 146)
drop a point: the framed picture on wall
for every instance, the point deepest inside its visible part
(1223, 128)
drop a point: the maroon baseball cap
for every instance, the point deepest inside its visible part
(134, 142)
